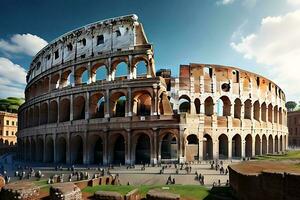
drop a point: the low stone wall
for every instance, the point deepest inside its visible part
(65, 191)
(264, 185)
(107, 195)
(157, 194)
(19, 190)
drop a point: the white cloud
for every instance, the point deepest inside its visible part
(276, 44)
(24, 44)
(294, 2)
(224, 2)
(12, 79)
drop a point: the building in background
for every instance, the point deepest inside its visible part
(294, 129)
(8, 128)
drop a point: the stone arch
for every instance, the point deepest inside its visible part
(64, 110)
(224, 106)
(67, 78)
(61, 150)
(280, 115)
(36, 115)
(96, 147)
(142, 103)
(184, 104)
(264, 144)
(264, 112)
(141, 69)
(53, 112)
(33, 151)
(192, 148)
(248, 108)
(237, 108)
(44, 113)
(99, 72)
(257, 145)
(79, 107)
(81, 73)
(77, 149)
(280, 143)
(276, 144)
(197, 105)
(209, 106)
(49, 156)
(223, 146)
(118, 103)
(40, 150)
(271, 148)
(207, 147)
(54, 83)
(97, 105)
(256, 110)
(168, 146)
(275, 114)
(121, 70)
(270, 110)
(142, 146)
(236, 146)
(248, 145)
(118, 146)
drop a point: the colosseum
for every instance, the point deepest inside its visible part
(93, 97)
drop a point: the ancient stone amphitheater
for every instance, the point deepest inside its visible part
(93, 97)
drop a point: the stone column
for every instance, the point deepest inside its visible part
(89, 73)
(215, 148)
(54, 148)
(155, 106)
(87, 103)
(243, 143)
(44, 148)
(253, 147)
(229, 148)
(155, 146)
(107, 104)
(58, 110)
(129, 95)
(71, 108)
(200, 147)
(267, 138)
(68, 150)
(128, 148)
(260, 147)
(105, 149)
(108, 76)
(193, 108)
(130, 74)
(85, 148)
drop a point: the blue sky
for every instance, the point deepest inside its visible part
(228, 32)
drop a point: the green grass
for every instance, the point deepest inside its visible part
(289, 155)
(186, 191)
(41, 182)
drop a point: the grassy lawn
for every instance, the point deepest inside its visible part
(289, 155)
(186, 191)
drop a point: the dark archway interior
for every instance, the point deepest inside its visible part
(236, 146)
(169, 147)
(98, 152)
(119, 150)
(223, 147)
(207, 147)
(77, 150)
(61, 150)
(142, 151)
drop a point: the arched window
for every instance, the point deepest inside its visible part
(121, 70)
(141, 69)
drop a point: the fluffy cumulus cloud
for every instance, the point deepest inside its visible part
(276, 45)
(294, 2)
(23, 44)
(224, 2)
(12, 79)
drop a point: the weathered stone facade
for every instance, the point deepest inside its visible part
(141, 117)
(8, 128)
(294, 128)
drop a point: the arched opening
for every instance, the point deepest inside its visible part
(49, 150)
(36, 115)
(236, 146)
(248, 107)
(264, 112)
(119, 150)
(184, 104)
(118, 104)
(209, 106)
(141, 69)
(270, 110)
(81, 75)
(85, 77)
(257, 145)
(79, 108)
(237, 108)
(224, 106)
(40, 150)
(121, 70)
(97, 103)
(99, 72)
(64, 110)
(44, 113)
(248, 146)
(275, 114)
(276, 144)
(223, 146)
(280, 115)
(192, 148)
(33, 151)
(169, 147)
(61, 150)
(53, 112)
(54, 82)
(264, 144)
(207, 147)
(98, 152)
(67, 78)
(142, 104)
(197, 105)
(142, 150)
(256, 110)
(77, 150)
(271, 148)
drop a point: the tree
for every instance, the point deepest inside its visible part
(291, 105)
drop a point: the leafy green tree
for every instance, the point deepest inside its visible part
(291, 105)
(11, 104)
